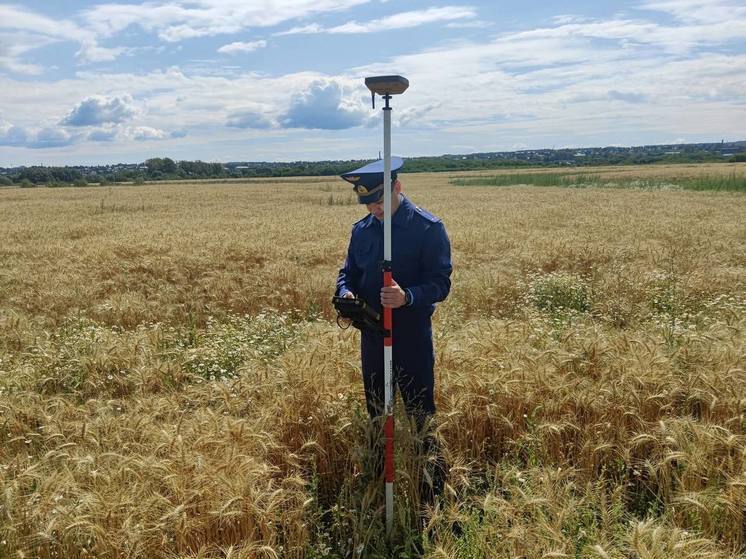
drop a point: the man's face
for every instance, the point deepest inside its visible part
(376, 208)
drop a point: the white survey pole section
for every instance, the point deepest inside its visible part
(387, 183)
(388, 348)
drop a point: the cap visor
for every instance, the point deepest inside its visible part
(370, 198)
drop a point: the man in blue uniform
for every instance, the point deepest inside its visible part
(421, 269)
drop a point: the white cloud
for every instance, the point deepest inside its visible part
(415, 114)
(401, 20)
(239, 47)
(103, 135)
(303, 29)
(31, 31)
(627, 96)
(673, 38)
(9, 61)
(137, 133)
(182, 32)
(99, 109)
(171, 21)
(469, 25)
(15, 44)
(324, 106)
(46, 137)
(144, 133)
(564, 77)
(90, 51)
(14, 136)
(18, 18)
(698, 11)
(163, 97)
(51, 137)
(250, 118)
(564, 19)
(177, 20)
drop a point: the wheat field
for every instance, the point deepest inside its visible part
(173, 383)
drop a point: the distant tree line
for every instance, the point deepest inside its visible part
(165, 168)
(157, 168)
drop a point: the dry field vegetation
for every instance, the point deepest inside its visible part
(172, 383)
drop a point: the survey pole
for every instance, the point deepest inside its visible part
(388, 342)
(386, 86)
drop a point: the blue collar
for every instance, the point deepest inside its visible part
(403, 215)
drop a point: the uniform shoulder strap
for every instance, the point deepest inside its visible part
(360, 222)
(426, 215)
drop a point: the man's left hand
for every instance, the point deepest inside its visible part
(393, 297)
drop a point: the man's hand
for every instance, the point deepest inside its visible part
(340, 319)
(393, 297)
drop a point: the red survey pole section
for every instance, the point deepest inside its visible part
(388, 428)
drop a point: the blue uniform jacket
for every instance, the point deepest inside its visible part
(421, 262)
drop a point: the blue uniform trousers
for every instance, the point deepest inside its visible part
(413, 361)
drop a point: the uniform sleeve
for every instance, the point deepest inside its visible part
(348, 279)
(436, 264)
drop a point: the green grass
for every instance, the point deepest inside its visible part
(533, 179)
(731, 183)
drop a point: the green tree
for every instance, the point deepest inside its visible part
(164, 167)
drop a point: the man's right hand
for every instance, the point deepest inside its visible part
(349, 295)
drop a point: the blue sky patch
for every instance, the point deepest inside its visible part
(99, 82)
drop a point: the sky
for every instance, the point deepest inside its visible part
(86, 82)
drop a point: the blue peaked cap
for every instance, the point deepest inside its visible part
(367, 181)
